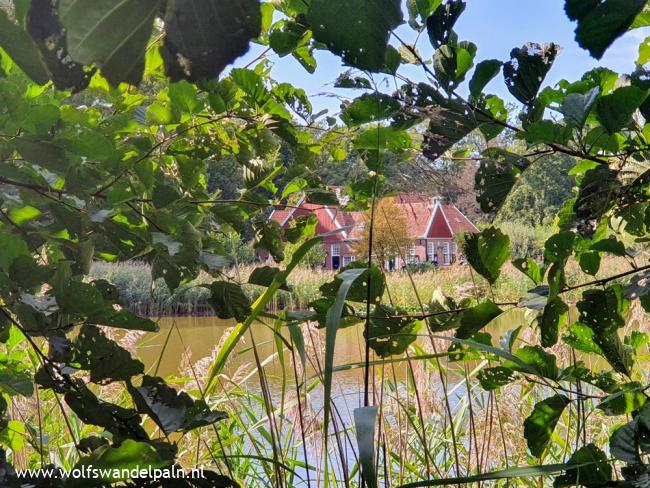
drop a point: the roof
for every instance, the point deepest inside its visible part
(426, 218)
(330, 218)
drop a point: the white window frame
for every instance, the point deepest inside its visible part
(348, 260)
(446, 253)
(336, 250)
(431, 250)
(410, 254)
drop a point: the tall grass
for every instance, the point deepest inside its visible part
(138, 293)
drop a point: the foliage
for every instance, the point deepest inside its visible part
(123, 178)
(540, 193)
(315, 258)
(526, 241)
(390, 236)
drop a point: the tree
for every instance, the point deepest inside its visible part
(390, 236)
(540, 192)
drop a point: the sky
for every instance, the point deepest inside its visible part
(496, 27)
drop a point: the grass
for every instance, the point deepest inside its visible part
(133, 280)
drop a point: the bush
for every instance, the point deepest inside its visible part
(239, 251)
(423, 267)
(526, 241)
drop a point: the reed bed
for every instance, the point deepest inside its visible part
(141, 295)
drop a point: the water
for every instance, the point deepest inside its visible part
(199, 336)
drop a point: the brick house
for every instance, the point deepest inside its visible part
(431, 224)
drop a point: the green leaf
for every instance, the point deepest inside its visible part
(448, 124)
(114, 35)
(530, 268)
(110, 463)
(615, 111)
(577, 106)
(184, 96)
(440, 25)
(623, 443)
(559, 247)
(356, 30)
(17, 43)
(495, 377)
(164, 194)
(359, 290)
(581, 337)
(600, 23)
(487, 252)
(364, 422)
(485, 71)
(528, 67)
(12, 248)
(595, 197)
(452, 62)
(46, 154)
(535, 358)
(370, 107)
(228, 300)
(171, 410)
(644, 52)
(611, 245)
(284, 39)
(540, 424)
(106, 361)
(15, 378)
(601, 311)
(591, 467)
(390, 331)
(13, 435)
(422, 9)
(264, 276)
(48, 34)
(475, 318)
(379, 138)
(626, 401)
(496, 118)
(201, 45)
(497, 174)
(547, 132)
(122, 422)
(589, 262)
(553, 319)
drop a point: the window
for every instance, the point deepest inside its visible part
(348, 259)
(410, 254)
(336, 250)
(431, 251)
(446, 253)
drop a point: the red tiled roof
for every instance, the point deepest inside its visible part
(329, 219)
(417, 215)
(417, 211)
(457, 220)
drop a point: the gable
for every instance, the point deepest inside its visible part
(439, 227)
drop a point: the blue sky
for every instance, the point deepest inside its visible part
(495, 26)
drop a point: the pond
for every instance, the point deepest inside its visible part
(199, 336)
